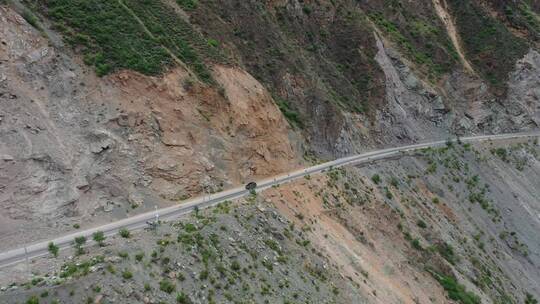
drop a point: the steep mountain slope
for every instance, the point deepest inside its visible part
(74, 145)
(109, 108)
(326, 59)
(240, 253)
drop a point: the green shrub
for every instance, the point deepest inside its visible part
(529, 299)
(53, 249)
(447, 252)
(387, 193)
(501, 153)
(273, 245)
(182, 298)
(457, 292)
(203, 275)
(419, 40)
(124, 233)
(139, 256)
(292, 116)
(30, 18)
(235, 265)
(80, 241)
(166, 286)
(147, 287)
(394, 182)
(33, 300)
(376, 179)
(421, 224)
(416, 244)
(127, 275)
(267, 264)
(189, 228)
(99, 238)
(187, 4)
(213, 43)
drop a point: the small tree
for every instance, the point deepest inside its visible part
(99, 237)
(53, 249)
(79, 242)
(529, 299)
(124, 233)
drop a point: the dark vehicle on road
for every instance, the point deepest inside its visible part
(251, 186)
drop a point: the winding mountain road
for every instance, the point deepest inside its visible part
(38, 249)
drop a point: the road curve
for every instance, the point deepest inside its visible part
(38, 249)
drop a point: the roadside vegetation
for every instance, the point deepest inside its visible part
(53, 249)
(219, 254)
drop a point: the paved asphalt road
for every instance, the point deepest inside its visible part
(140, 221)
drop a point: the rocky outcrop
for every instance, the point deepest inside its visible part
(413, 110)
(522, 106)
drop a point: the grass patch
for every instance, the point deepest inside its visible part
(292, 116)
(177, 35)
(166, 286)
(93, 27)
(376, 179)
(456, 291)
(447, 252)
(30, 18)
